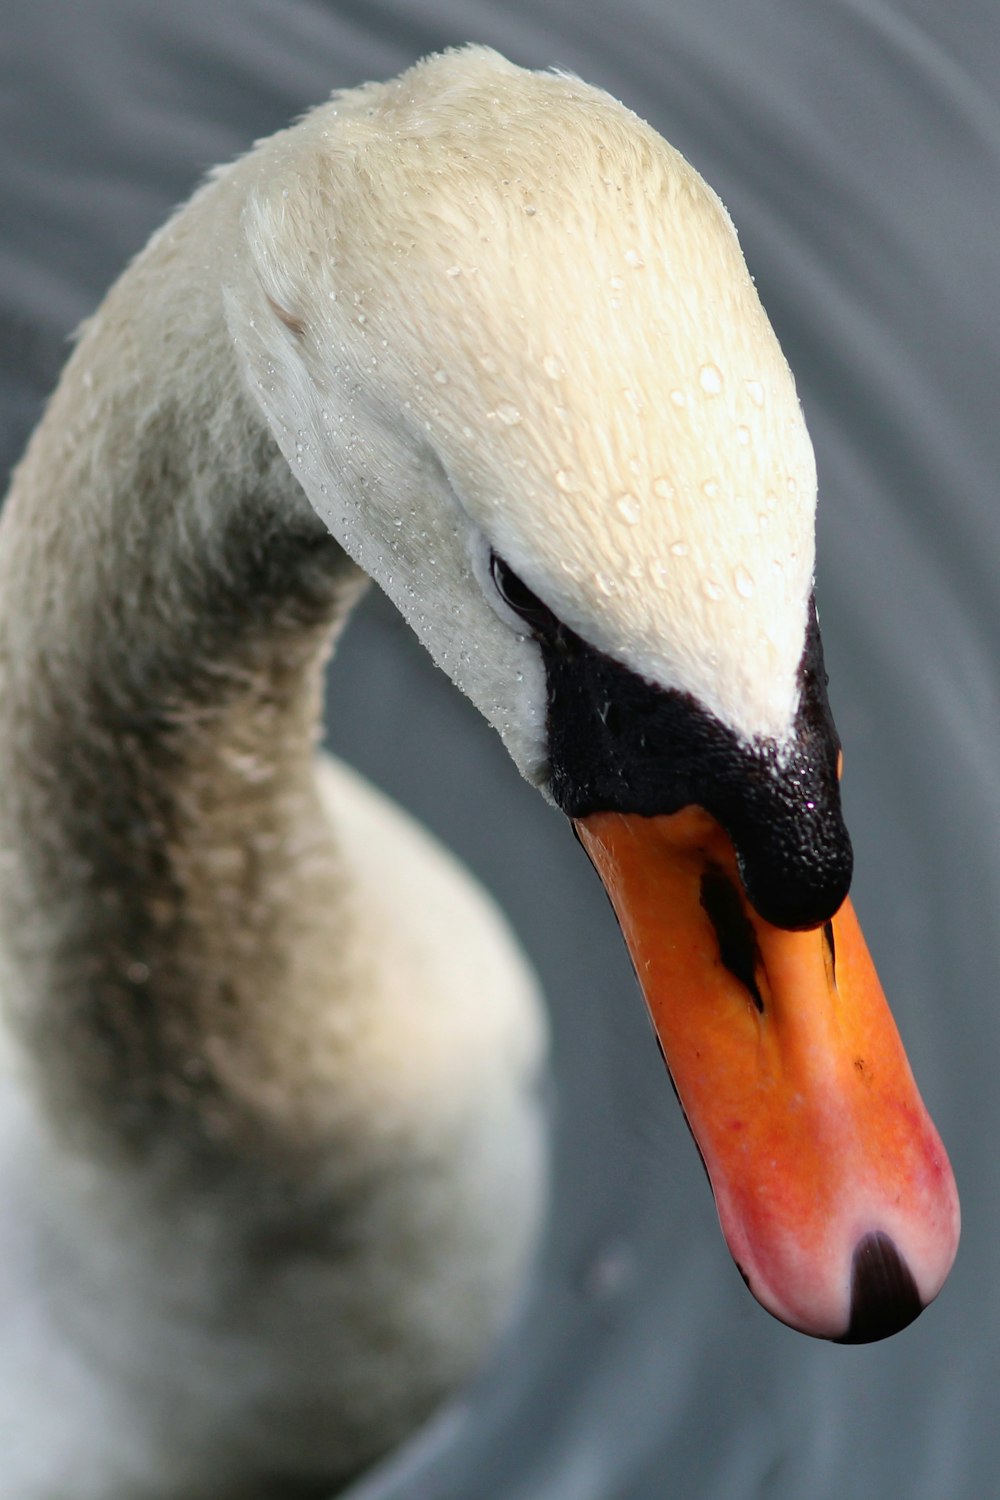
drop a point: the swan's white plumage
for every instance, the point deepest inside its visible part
(156, 1346)
(559, 305)
(461, 302)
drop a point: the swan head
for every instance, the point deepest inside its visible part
(507, 339)
(564, 341)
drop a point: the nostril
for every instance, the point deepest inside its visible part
(831, 949)
(738, 951)
(884, 1296)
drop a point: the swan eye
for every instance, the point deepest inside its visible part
(518, 597)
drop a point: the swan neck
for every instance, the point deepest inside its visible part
(169, 598)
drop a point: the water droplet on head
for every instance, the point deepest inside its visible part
(710, 379)
(634, 399)
(566, 480)
(662, 487)
(552, 367)
(711, 488)
(530, 209)
(792, 486)
(678, 398)
(711, 589)
(633, 258)
(742, 435)
(508, 413)
(744, 581)
(489, 364)
(679, 549)
(660, 573)
(453, 271)
(441, 376)
(605, 583)
(617, 282)
(627, 507)
(756, 392)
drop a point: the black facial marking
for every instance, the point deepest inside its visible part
(620, 744)
(884, 1296)
(738, 949)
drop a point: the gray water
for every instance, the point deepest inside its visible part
(857, 145)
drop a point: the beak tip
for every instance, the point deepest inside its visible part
(884, 1295)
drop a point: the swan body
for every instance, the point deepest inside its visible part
(190, 1328)
(273, 1155)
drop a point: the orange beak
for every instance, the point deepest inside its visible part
(833, 1190)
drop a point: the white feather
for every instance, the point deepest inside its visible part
(273, 1164)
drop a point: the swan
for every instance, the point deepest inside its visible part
(273, 1160)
